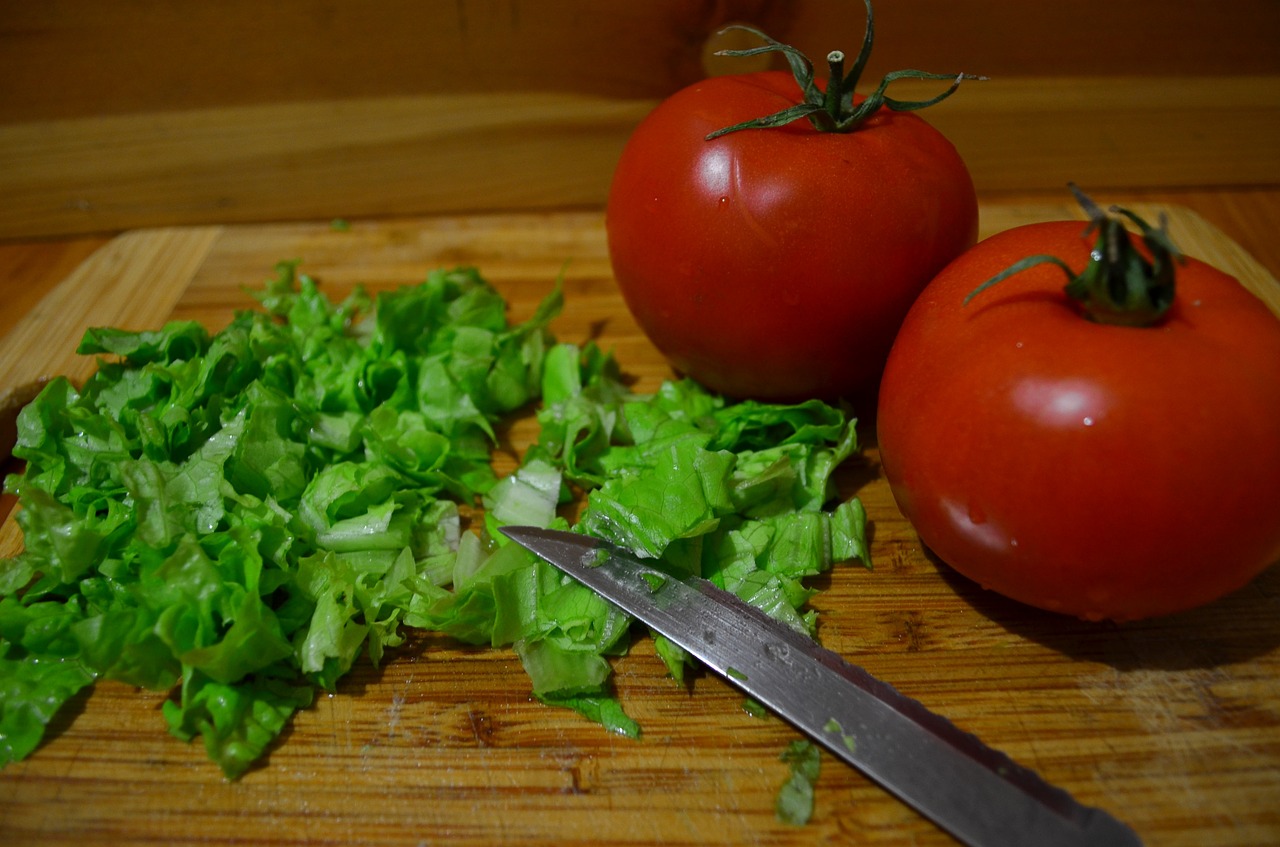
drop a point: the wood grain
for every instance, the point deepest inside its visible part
(451, 154)
(80, 57)
(1171, 724)
(144, 114)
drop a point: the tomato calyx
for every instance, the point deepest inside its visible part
(834, 110)
(1119, 285)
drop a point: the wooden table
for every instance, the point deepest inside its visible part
(1172, 724)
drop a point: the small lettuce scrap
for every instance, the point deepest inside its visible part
(794, 801)
(240, 517)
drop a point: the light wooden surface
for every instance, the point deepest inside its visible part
(1171, 724)
(142, 114)
(450, 154)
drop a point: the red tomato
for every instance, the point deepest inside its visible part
(778, 263)
(1097, 470)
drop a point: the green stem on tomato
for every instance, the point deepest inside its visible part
(831, 100)
(834, 109)
(1119, 285)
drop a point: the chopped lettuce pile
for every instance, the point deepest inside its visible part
(239, 517)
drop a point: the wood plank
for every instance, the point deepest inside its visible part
(1169, 723)
(453, 154)
(145, 114)
(352, 158)
(77, 58)
(30, 269)
(1025, 133)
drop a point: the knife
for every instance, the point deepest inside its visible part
(976, 793)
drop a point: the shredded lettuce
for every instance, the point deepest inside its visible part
(239, 518)
(794, 801)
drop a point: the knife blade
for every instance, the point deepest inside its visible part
(976, 793)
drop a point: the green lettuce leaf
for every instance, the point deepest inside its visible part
(794, 802)
(237, 722)
(32, 690)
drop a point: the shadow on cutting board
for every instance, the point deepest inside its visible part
(1235, 628)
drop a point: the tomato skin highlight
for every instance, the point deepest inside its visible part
(778, 263)
(1101, 471)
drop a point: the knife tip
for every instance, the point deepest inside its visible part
(515, 533)
(523, 533)
(559, 547)
(531, 537)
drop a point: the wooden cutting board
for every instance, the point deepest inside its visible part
(1173, 724)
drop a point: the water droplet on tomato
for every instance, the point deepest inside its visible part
(1013, 542)
(976, 515)
(724, 201)
(1088, 421)
(1018, 345)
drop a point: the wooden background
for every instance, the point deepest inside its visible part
(486, 131)
(143, 113)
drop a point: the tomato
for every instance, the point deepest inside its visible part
(778, 263)
(1104, 471)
